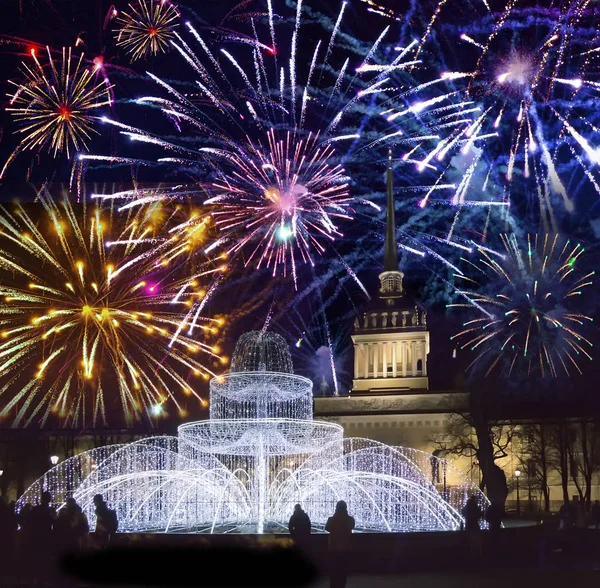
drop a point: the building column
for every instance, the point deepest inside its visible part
(423, 358)
(413, 349)
(367, 347)
(394, 360)
(384, 358)
(375, 359)
(404, 357)
(357, 350)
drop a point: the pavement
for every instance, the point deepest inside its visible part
(440, 580)
(475, 580)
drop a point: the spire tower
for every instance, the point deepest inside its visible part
(390, 260)
(391, 340)
(391, 278)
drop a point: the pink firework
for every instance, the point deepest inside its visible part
(284, 196)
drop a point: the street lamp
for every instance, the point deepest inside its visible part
(54, 459)
(517, 475)
(476, 464)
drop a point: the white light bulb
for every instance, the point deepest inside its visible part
(258, 453)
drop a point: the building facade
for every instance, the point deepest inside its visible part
(391, 401)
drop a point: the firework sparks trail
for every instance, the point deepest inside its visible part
(266, 135)
(90, 302)
(532, 79)
(147, 29)
(320, 344)
(56, 105)
(293, 210)
(530, 317)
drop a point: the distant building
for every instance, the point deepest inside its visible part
(390, 400)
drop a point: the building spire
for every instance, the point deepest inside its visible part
(390, 260)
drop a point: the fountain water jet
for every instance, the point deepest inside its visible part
(259, 453)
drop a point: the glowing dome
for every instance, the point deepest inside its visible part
(258, 455)
(260, 351)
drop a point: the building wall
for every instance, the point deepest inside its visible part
(407, 420)
(374, 417)
(25, 454)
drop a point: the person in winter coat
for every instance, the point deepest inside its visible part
(565, 518)
(472, 514)
(340, 527)
(596, 514)
(494, 516)
(106, 521)
(42, 519)
(71, 527)
(299, 526)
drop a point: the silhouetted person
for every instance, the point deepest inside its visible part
(42, 522)
(340, 527)
(106, 521)
(472, 514)
(71, 526)
(7, 533)
(494, 516)
(13, 513)
(578, 513)
(42, 518)
(565, 517)
(299, 526)
(12, 534)
(24, 522)
(596, 514)
(25, 542)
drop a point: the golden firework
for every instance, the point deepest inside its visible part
(92, 312)
(147, 29)
(57, 104)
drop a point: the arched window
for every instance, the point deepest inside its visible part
(391, 283)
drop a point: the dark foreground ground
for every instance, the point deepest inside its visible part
(465, 580)
(473, 580)
(512, 558)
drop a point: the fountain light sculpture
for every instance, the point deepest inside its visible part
(259, 454)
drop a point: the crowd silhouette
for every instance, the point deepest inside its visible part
(34, 540)
(339, 526)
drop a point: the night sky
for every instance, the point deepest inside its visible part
(248, 294)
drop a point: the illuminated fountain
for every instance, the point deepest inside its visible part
(259, 454)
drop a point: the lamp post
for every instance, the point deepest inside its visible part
(476, 464)
(517, 475)
(54, 459)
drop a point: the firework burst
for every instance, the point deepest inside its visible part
(92, 315)
(529, 306)
(147, 29)
(57, 106)
(263, 133)
(265, 195)
(528, 76)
